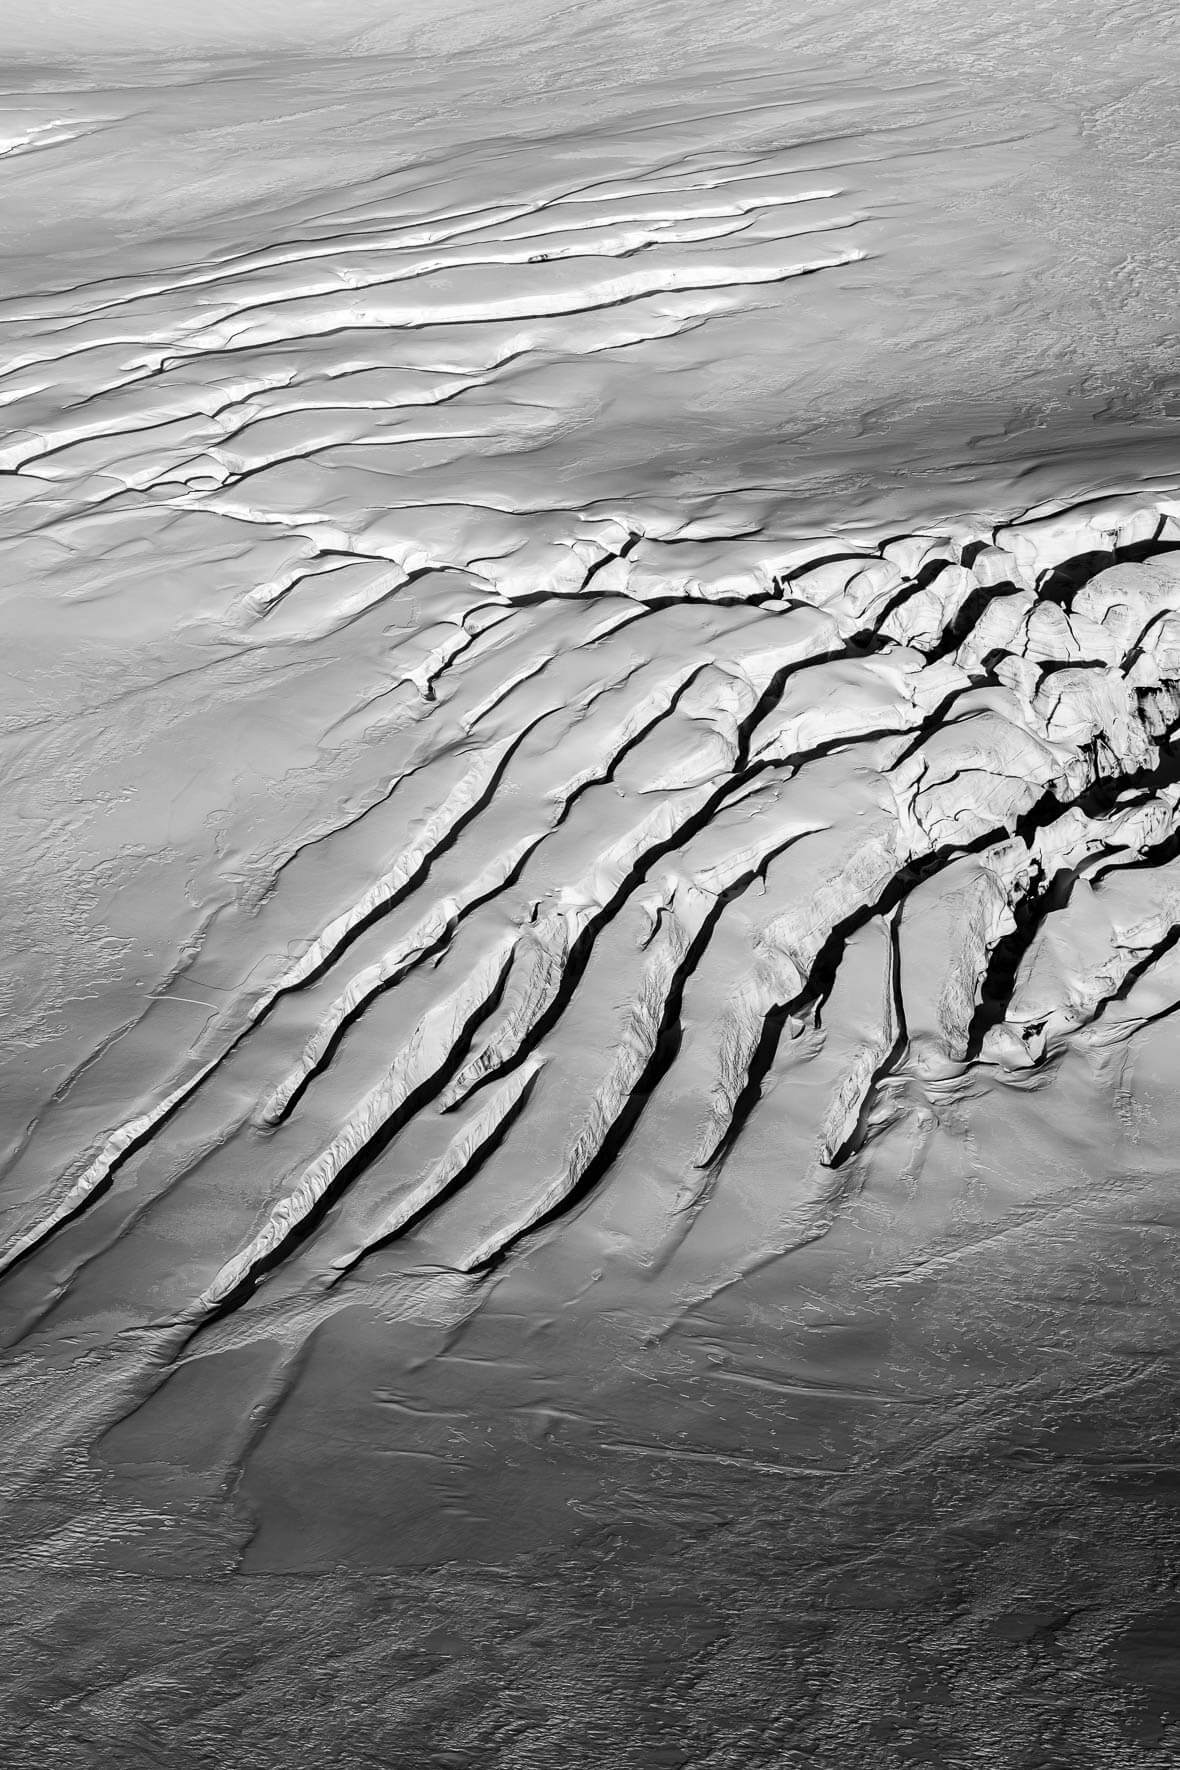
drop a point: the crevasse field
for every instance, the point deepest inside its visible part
(589, 886)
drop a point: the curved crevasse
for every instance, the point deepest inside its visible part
(660, 804)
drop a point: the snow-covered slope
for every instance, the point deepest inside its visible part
(592, 658)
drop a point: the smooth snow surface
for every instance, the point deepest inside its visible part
(591, 884)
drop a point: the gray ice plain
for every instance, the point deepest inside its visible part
(590, 886)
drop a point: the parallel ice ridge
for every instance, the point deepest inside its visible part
(397, 347)
(945, 760)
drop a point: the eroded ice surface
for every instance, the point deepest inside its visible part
(591, 859)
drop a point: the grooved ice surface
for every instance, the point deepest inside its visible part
(591, 881)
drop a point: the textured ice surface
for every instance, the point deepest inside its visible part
(591, 880)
